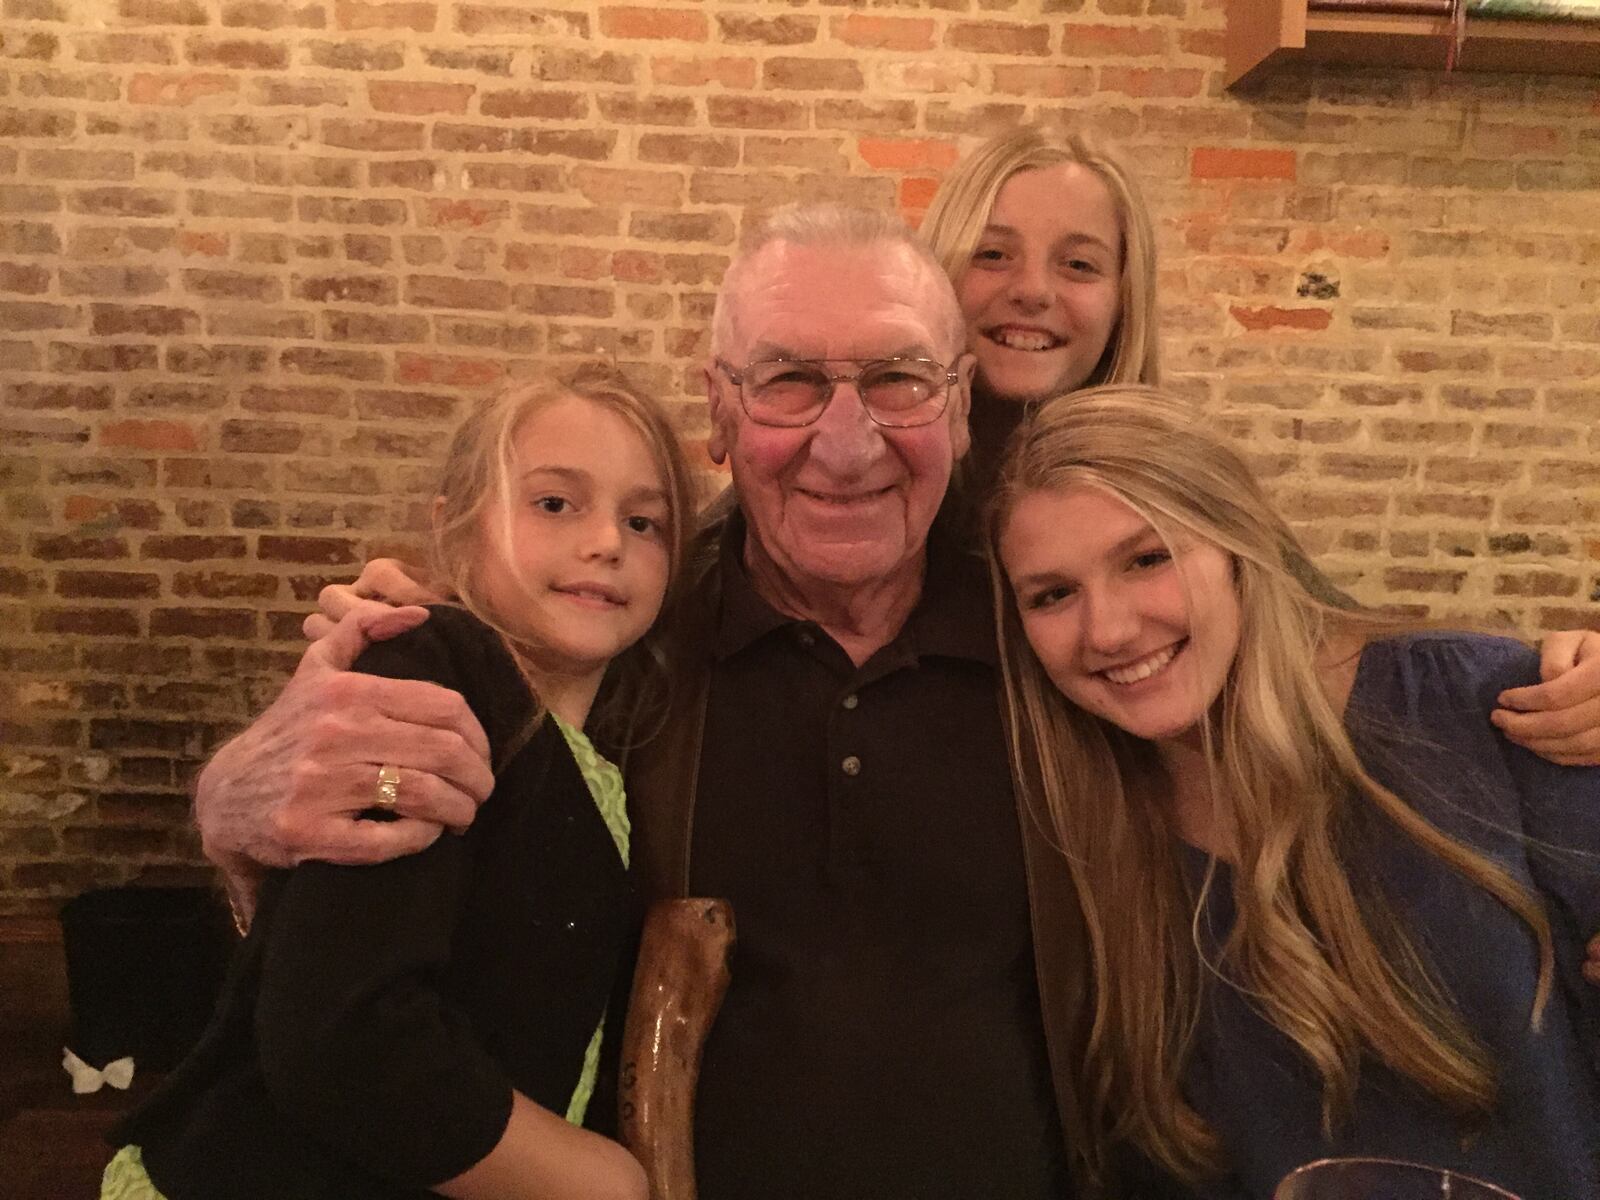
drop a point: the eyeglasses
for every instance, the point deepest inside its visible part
(898, 393)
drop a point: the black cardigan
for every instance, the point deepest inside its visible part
(377, 1018)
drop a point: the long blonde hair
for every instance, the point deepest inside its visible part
(960, 211)
(477, 474)
(1329, 966)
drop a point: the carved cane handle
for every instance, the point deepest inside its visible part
(677, 990)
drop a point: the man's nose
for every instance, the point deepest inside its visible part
(845, 440)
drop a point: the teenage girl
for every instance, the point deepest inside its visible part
(1332, 910)
(434, 1023)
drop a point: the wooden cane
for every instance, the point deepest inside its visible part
(677, 988)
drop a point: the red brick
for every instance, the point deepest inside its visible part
(737, 28)
(1212, 162)
(322, 551)
(123, 48)
(997, 37)
(240, 53)
(1281, 318)
(667, 24)
(345, 289)
(203, 622)
(217, 359)
(192, 242)
(358, 56)
(916, 193)
(34, 396)
(23, 280)
(158, 12)
(419, 99)
(344, 364)
(907, 154)
(87, 622)
(15, 317)
(1096, 41)
(813, 74)
(702, 72)
(372, 329)
(534, 103)
(273, 14)
(357, 14)
(535, 23)
(232, 285)
(752, 112)
(445, 291)
(150, 435)
(610, 185)
(179, 90)
(1153, 82)
(59, 163)
(67, 356)
(134, 514)
(106, 585)
(883, 33)
(191, 548)
(447, 371)
(225, 585)
(699, 150)
(462, 213)
(372, 135)
(1052, 82)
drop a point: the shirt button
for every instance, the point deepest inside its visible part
(851, 765)
(807, 638)
(851, 700)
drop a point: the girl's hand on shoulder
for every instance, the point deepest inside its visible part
(1559, 718)
(1591, 967)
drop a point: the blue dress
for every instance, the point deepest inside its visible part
(1418, 715)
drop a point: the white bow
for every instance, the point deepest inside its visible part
(86, 1079)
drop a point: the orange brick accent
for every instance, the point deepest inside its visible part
(1212, 162)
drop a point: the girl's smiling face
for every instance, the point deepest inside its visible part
(1042, 293)
(1137, 631)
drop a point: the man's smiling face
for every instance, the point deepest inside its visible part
(842, 502)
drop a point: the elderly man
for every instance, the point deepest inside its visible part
(836, 766)
(903, 1018)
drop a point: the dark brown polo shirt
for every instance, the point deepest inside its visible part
(882, 1035)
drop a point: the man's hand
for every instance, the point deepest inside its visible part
(1591, 967)
(289, 788)
(1558, 719)
(385, 579)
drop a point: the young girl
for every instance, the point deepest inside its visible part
(434, 1022)
(1332, 911)
(1049, 243)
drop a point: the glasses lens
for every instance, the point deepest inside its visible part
(783, 393)
(904, 391)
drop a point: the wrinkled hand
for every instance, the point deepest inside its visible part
(1558, 719)
(386, 579)
(290, 787)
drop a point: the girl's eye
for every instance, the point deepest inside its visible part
(1151, 559)
(988, 255)
(1046, 597)
(643, 524)
(1081, 266)
(552, 504)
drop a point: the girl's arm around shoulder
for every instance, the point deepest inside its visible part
(542, 1156)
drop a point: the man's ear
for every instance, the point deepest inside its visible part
(716, 411)
(961, 407)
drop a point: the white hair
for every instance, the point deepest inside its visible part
(843, 226)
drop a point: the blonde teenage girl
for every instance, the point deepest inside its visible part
(1332, 909)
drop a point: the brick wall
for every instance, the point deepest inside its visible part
(253, 254)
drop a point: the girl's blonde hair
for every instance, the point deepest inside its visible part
(960, 212)
(1326, 962)
(478, 474)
